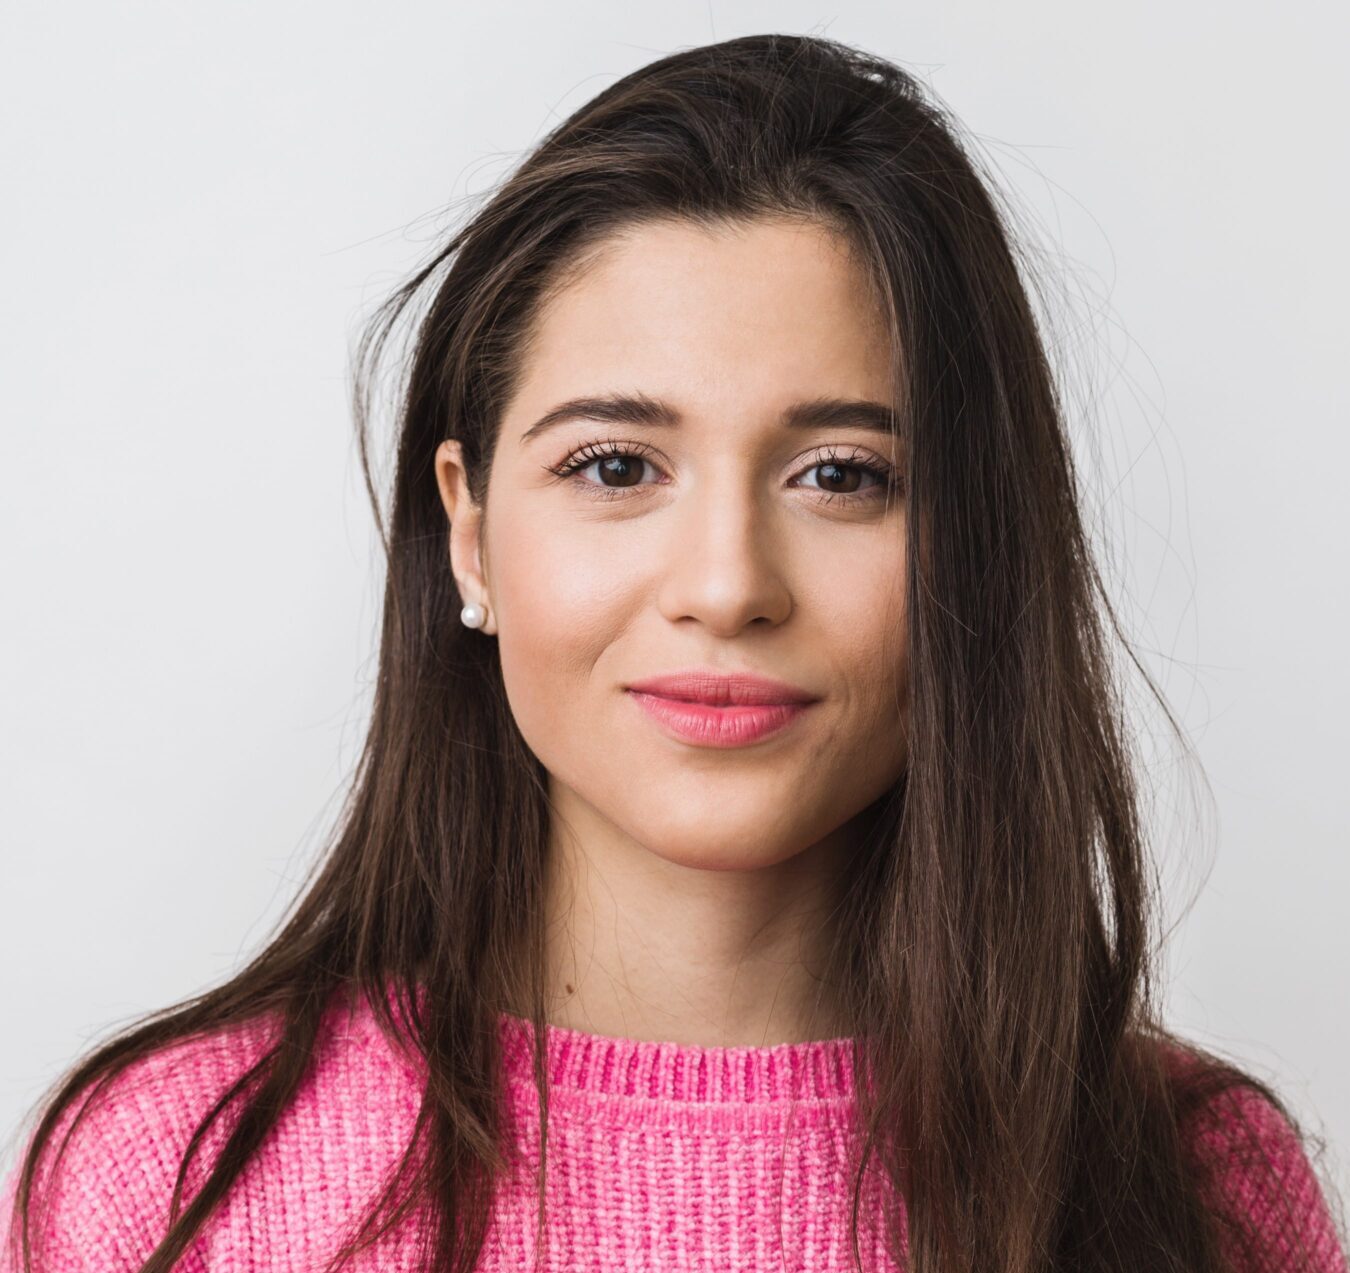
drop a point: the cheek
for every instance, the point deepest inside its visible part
(861, 632)
(558, 610)
(872, 639)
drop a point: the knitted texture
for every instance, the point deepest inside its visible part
(660, 1157)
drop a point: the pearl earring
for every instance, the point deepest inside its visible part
(473, 615)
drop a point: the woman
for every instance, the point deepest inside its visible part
(744, 868)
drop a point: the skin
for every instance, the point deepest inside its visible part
(691, 889)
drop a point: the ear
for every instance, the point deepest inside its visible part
(466, 530)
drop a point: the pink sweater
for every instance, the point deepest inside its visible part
(661, 1156)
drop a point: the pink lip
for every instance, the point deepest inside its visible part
(719, 689)
(721, 710)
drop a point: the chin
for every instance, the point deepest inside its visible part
(712, 845)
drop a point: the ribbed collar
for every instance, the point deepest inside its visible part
(603, 1065)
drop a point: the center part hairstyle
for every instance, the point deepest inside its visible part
(996, 949)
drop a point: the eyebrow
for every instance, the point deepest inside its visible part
(639, 409)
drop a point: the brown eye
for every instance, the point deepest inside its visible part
(853, 479)
(626, 470)
(840, 479)
(620, 465)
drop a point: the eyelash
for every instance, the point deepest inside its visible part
(587, 455)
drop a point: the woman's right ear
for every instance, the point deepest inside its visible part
(465, 527)
(451, 477)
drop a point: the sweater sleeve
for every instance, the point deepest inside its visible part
(104, 1205)
(1272, 1208)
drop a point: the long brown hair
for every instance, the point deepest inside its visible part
(1026, 1100)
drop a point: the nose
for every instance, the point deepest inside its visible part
(723, 565)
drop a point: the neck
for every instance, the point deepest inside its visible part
(642, 946)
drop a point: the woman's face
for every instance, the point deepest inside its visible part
(703, 528)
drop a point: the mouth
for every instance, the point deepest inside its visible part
(712, 709)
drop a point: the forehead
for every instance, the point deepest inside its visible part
(778, 305)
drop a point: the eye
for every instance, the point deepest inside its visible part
(846, 478)
(621, 461)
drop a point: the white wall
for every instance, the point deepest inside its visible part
(203, 201)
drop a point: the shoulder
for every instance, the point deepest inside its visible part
(1255, 1171)
(104, 1181)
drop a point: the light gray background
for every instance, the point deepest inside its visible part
(203, 201)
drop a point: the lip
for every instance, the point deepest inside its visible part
(716, 709)
(723, 689)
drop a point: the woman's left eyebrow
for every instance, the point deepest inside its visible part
(641, 410)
